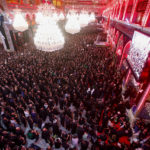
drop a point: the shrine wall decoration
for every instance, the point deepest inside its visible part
(138, 53)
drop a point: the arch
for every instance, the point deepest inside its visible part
(125, 52)
(119, 48)
(111, 31)
(113, 34)
(116, 37)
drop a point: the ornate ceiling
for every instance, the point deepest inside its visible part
(93, 5)
(86, 2)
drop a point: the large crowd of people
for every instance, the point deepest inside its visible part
(66, 100)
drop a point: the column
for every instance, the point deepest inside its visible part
(142, 100)
(127, 77)
(133, 10)
(7, 32)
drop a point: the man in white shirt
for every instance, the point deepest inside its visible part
(75, 141)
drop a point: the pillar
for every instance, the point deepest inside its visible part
(127, 77)
(7, 32)
(142, 100)
(133, 10)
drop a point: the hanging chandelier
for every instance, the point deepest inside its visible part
(19, 23)
(55, 16)
(46, 9)
(92, 17)
(83, 19)
(38, 17)
(48, 36)
(61, 16)
(72, 25)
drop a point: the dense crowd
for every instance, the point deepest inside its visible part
(66, 100)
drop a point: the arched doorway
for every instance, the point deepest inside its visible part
(119, 49)
(125, 52)
(116, 37)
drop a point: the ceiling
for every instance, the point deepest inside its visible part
(86, 2)
(92, 5)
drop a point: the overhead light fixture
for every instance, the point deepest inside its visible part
(19, 23)
(48, 36)
(92, 17)
(38, 17)
(55, 16)
(83, 19)
(72, 25)
(61, 16)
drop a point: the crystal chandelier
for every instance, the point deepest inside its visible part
(55, 16)
(38, 17)
(61, 16)
(92, 17)
(19, 22)
(72, 25)
(46, 9)
(68, 16)
(48, 36)
(83, 19)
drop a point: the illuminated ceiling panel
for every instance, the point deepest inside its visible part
(87, 2)
(31, 5)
